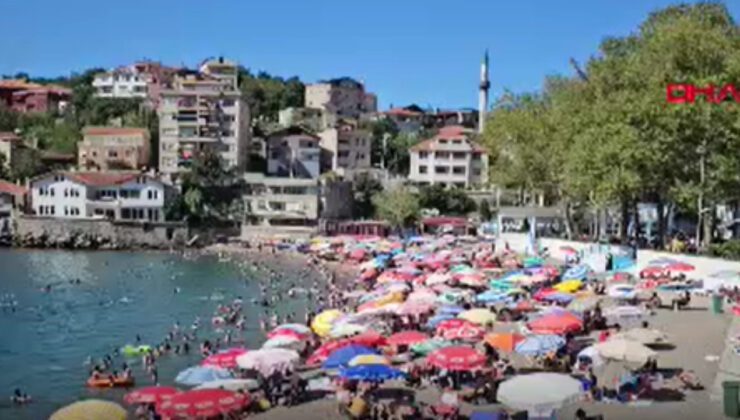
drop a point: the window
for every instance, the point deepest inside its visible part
(442, 141)
(476, 172)
(423, 155)
(112, 154)
(152, 194)
(125, 213)
(456, 141)
(441, 169)
(441, 155)
(422, 169)
(476, 156)
(51, 192)
(458, 170)
(458, 155)
(66, 210)
(343, 153)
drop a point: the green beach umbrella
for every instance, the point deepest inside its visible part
(426, 346)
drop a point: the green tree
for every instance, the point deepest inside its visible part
(364, 188)
(267, 94)
(484, 209)
(451, 201)
(211, 193)
(398, 206)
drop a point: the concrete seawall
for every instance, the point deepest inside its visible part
(42, 232)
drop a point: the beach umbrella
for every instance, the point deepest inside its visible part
(426, 346)
(422, 295)
(472, 280)
(522, 306)
(458, 329)
(568, 250)
(231, 385)
(592, 354)
(555, 324)
(342, 356)
(503, 341)
(286, 332)
(622, 291)
(299, 328)
(90, 410)
(539, 392)
(679, 266)
(283, 341)
(267, 361)
(568, 286)
(584, 304)
(321, 353)
(450, 309)
(225, 358)
(478, 316)
(322, 323)
(577, 272)
(437, 278)
(369, 359)
(436, 319)
(357, 254)
(500, 284)
(624, 314)
(535, 345)
(197, 375)
(369, 339)
(372, 373)
(149, 394)
(405, 338)
(202, 403)
(491, 296)
(559, 297)
(346, 330)
(415, 307)
(456, 358)
(642, 336)
(651, 271)
(541, 293)
(625, 351)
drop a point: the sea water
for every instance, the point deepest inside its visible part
(100, 301)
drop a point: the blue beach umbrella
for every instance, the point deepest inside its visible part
(539, 344)
(662, 262)
(436, 319)
(370, 373)
(450, 309)
(559, 297)
(197, 375)
(342, 356)
(577, 272)
(490, 296)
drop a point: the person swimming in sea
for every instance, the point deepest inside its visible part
(19, 397)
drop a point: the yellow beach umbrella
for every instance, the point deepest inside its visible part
(321, 325)
(369, 359)
(568, 286)
(90, 410)
(478, 316)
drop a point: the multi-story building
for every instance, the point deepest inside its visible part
(293, 152)
(9, 146)
(24, 96)
(343, 97)
(412, 118)
(449, 158)
(203, 110)
(105, 148)
(12, 198)
(313, 119)
(345, 148)
(85, 195)
(281, 201)
(145, 79)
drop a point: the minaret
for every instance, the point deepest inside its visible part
(483, 93)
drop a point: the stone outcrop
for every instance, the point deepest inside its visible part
(39, 232)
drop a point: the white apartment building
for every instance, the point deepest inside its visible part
(293, 152)
(345, 148)
(122, 82)
(343, 97)
(449, 158)
(93, 195)
(281, 201)
(203, 110)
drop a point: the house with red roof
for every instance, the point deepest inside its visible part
(98, 195)
(12, 198)
(450, 158)
(25, 96)
(111, 148)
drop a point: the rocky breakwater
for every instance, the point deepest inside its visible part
(38, 232)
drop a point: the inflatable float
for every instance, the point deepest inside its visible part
(107, 383)
(130, 350)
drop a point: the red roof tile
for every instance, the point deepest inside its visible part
(402, 112)
(9, 187)
(102, 131)
(424, 145)
(9, 136)
(101, 179)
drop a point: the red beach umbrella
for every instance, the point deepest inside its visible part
(225, 359)
(286, 332)
(202, 403)
(150, 394)
(680, 266)
(321, 353)
(405, 338)
(357, 254)
(457, 328)
(556, 324)
(456, 358)
(540, 294)
(652, 271)
(368, 338)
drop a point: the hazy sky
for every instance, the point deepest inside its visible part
(423, 51)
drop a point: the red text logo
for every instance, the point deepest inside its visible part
(682, 93)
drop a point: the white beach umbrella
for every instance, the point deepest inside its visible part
(622, 291)
(539, 392)
(267, 361)
(643, 336)
(624, 314)
(231, 385)
(625, 351)
(593, 354)
(285, 342)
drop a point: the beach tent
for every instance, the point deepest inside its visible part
(539, 392)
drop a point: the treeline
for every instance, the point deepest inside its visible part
(607, 137)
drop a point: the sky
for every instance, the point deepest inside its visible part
(406, 51)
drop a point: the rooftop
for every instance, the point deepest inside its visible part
(24, 85)
(104, 131)
(10, 188)
(454, 132)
